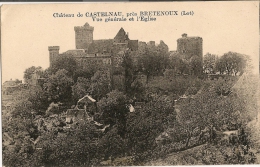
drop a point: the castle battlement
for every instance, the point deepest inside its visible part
(85, 27)
(52, 48)
(151, 43)
(80, 28)
(186, 37)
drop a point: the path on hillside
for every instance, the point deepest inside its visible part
(178, 158)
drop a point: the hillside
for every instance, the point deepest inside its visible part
(216, 153)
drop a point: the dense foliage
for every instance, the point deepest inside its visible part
(175, 106)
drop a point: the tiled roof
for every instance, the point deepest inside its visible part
(121, 35)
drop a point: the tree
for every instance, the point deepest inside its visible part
(137, 90)
(231, 63)
(195, 65)
(111, 144)
(209, 62)
(144, 126)
(150, 63)
(177, 63)
(80, 88)
(223, 86)
(58, 86)
(35, 96)
(31, 70)
(239, 63)
(127, 64)
(100, 84)
(21, 129)
(220, 66)
(75, 143)
(114, 110)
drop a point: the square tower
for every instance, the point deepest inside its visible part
(83, 36)
(53, 53)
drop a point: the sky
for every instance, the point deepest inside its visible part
(28, 30)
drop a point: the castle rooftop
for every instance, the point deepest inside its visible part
(185, 36)
(121, 35)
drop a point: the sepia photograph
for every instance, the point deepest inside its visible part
(130, 84)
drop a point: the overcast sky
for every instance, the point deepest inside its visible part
(28, 30)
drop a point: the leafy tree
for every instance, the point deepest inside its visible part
(35, 96)
(79, 89)
(21, 129)
(137, 90)
(83, 73)
(195, 65)
(114, 110)
(58, 86)
(150, 63)
(232, 63)
(111, 144)
(31, 70)
(223, 86)
(210, 110)
(177, 63)
(128, 68)
(100, 84)
(169, 73)
(209, 62)
(144, 126)
(220, 66)
(75, 143)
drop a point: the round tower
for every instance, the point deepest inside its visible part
(189, 46)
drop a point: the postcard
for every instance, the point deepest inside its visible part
(130, 84)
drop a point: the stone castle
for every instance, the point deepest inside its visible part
(89, 51)
(111, 51)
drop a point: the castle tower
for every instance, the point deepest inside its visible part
(83, 36)
(53, 53)
(190, 46)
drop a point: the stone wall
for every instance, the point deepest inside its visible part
(85, 62)
(101, 46)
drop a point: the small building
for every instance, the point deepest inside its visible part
(10, 86)
(75, 115)
(86, 106)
